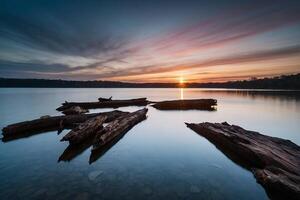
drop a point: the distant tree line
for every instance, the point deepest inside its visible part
(280, 82)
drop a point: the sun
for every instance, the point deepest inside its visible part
(181, 80)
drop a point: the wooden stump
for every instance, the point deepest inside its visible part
(274, 162)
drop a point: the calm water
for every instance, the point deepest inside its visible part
(158, 159)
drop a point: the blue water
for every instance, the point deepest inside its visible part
(158, 159)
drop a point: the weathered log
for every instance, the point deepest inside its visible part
(105, 104)
(28, 128)
(274, 162)
(101, 99)
(187, 104)
(11, 137)
(96, 154)
(72, 151)
(85, 130)
(118, 127)
(75, 110)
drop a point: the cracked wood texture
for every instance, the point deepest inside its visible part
(85, 130)
(118, 127)
(274, 162)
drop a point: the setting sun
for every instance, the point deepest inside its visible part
(181, 80)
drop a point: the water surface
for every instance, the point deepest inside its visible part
(158, 159)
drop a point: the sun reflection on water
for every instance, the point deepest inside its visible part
(181, 93)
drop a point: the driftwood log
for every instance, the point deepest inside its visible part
(96, 154)
(188, 104)
(105, 104)
(74, 110)
(112, 137)
(72, 151)
(28, 128)
(118, 127)
(85, 130)
(274, 162)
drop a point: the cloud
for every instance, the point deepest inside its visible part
(36, 67)
(223, 28)
(115, 45)
(65, 71)
(234, 59)
(48, 35)
(44, 68)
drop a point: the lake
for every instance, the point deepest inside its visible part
(160, 158)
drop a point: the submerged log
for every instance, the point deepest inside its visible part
(28, 128)
(101, 99)
(75, 110)
(105, 104)
(188, 104)
(118, 127)
(96, 154)
(72, 151)
(85, 130)
(274, 162)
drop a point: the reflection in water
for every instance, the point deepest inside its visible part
(98, 153)
(72, 151)
(254, 94)
(158, 159)
(181, 93)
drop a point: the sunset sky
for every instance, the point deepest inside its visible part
(149, 41)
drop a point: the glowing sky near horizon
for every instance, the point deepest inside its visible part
(149, 41)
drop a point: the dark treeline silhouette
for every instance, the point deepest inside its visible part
(280, 82)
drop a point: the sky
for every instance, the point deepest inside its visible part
(149, 41)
